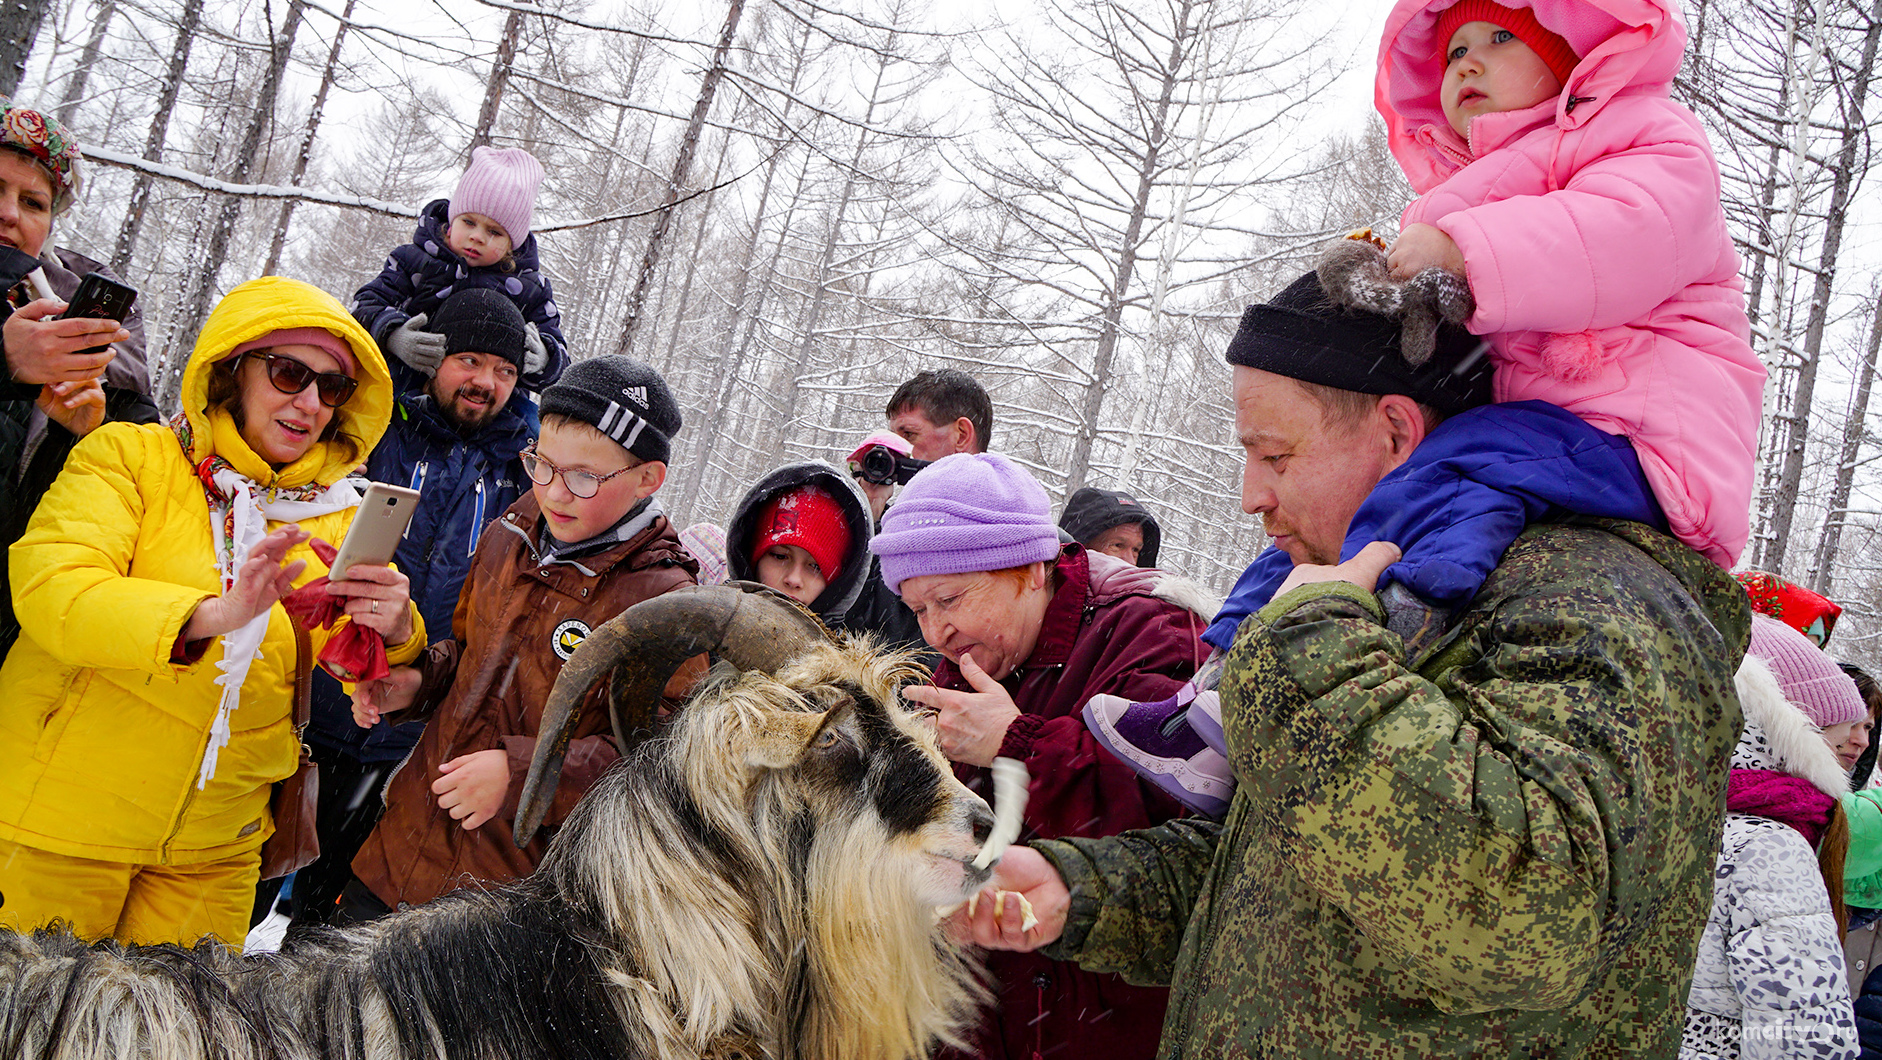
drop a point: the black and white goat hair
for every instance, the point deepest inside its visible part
(759, 879)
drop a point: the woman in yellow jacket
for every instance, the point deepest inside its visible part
(146, 709)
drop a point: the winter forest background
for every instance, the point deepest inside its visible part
(790, 206)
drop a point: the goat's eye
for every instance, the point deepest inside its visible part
(825, 740)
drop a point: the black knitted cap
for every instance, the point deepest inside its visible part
(1091, 511)
(480, 320)
(1299, 334)
(623, 399)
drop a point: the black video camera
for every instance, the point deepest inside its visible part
(883, 465)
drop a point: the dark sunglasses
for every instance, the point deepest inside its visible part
(291, 377)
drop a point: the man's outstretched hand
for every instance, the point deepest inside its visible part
(996, 924)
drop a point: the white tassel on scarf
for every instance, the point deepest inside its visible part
(242, 646)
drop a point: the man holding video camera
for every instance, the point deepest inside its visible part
(881, 463)
(938, 413)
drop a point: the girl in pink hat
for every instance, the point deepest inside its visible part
(479, 237)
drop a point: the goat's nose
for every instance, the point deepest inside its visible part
(981, 824)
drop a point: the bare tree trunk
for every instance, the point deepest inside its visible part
(187, 21)
(1166, 260)
(676, 183)
(305, 151)
(692, 261)
(1842, 178)
(1854, 431)
(724, 368)
(75, 84)
(1112, 319)
(820, 285)
(499, 79)
(731, 360)
(196, 301)
(19, 24)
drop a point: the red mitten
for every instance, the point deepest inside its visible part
(356, 653)
(312, 605)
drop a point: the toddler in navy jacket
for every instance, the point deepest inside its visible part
(479, 237)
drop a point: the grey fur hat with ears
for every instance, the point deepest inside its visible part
(1353, 274)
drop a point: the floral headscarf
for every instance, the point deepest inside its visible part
(1797, 607)
(49, 142)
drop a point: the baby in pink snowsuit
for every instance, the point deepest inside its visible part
(1582, 205)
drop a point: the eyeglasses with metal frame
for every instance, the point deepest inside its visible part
(583, 484)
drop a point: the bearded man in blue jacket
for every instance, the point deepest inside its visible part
(457, 443)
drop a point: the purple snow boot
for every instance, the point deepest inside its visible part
(1156, 740)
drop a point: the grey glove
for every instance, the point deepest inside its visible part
(535, 354)
(420, 349)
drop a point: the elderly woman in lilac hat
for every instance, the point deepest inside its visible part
(1029, 630)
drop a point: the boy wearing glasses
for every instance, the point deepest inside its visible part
(588, 541)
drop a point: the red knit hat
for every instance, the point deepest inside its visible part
(810, 518)
(1521, 21)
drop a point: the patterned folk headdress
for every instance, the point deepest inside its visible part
(49, 142)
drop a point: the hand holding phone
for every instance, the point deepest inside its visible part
(102, 298)
(377, 528)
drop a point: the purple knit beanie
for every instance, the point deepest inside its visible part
(1811, 680)
(965, 512)
(501, 184)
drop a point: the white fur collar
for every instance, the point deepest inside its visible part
(1779, 735)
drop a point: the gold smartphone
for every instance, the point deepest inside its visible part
(377, 528)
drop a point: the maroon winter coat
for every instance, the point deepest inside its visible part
(1104, 632)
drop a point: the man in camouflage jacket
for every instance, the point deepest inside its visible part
(1500, 846)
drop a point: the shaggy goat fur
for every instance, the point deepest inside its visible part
(760, 880)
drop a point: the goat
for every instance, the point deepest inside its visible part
(759, 879)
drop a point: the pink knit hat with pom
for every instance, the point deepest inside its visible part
(1811, 680)
(501, 184)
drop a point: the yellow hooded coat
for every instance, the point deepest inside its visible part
(102, 735)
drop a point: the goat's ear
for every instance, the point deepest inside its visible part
(782, 741)
(787, 735)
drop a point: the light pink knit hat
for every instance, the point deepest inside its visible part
(501, 184)
(1811, 680)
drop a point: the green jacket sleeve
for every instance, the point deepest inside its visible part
(1132, 895)
(1862, 868)
(1488, 827)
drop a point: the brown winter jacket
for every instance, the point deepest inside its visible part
(1110, 629)
(519, 621)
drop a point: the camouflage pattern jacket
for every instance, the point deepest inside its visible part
(1505, 849)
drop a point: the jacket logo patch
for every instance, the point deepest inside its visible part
(567, 636)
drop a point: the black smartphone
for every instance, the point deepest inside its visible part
(100, 297)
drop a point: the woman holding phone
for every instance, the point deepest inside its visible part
(64, 376)
(146, 711)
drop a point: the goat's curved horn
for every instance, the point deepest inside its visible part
(750, 626)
